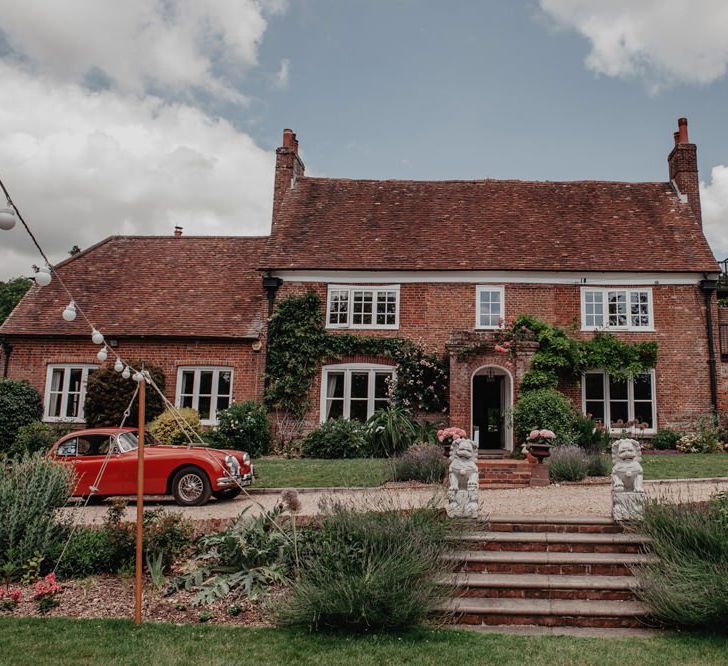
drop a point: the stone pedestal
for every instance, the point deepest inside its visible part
(627, 506)
(539, 475)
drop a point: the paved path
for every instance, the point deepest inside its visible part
(588, 500)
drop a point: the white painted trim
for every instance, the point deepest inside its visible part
(596, 278)
(197, 369)
(350, 309)
(605, 310)
(630, 400)
(507, 408)
(67, 367)
(481, 288)
(347, 369)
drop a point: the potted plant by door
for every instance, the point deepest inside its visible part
(540, 443)
(447, 436)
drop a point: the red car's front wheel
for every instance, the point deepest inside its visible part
(191, 487)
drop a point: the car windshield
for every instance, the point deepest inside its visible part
(127, 441)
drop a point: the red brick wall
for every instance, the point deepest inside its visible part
(430, 312)
(30, 358)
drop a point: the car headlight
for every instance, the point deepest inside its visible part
(233, 465)
(246, 458)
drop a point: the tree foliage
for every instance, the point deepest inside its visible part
(10, 294)
(20, 405)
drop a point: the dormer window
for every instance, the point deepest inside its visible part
(616, 309)
(362, 307)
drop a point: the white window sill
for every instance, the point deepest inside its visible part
(372, 327)
(615, 329)
(61, 419)
(488, 328)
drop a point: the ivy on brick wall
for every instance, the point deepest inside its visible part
(298, 343)
(559, 355)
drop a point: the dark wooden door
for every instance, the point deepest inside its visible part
(488, 410)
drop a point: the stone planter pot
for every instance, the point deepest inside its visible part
(540, 451)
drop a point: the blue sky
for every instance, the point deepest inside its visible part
(134, 117)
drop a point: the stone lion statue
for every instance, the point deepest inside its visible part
(464, 480)
(627, 470)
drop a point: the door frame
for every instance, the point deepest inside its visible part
(506, 400)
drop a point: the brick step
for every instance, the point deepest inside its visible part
(545, 612)
(556, 563)
(578, 524)
(536, 586)
(494, 485)
(569, 542)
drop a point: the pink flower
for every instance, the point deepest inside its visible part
(15, 595)
(507, 344)
(47, 587)
(500, 349)
(534, 434)
(547, 434)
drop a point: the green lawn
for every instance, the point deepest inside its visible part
(685, 466)
(35, 642)
(318, 473)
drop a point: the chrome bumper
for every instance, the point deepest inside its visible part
(240, 480)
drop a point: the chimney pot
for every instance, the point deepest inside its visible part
(177, 232)
(288, 138)
(682, 125)
(676, 136)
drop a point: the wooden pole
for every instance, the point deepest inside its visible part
(140, 509)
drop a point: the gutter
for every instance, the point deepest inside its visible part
(709, 287)
(7, 350)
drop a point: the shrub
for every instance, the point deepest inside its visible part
(166, 428)
(337, 438)
(32, 490)
(34, 437)
(20, 405)
(421, 462)
(545, 408)
(665, 439)
(245, 427)
(687, 585)
(568, 463)
(89, 552)
(108, 394)
(390, 431)
(695, 443)
(590, 435)
(368, 571)
(600, 464)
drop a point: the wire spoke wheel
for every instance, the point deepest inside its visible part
(191, 487)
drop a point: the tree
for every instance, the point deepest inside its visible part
(74, 250)
(10, 294)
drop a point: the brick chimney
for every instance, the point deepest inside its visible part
(289, 168)
(177, 232)
(683, 165)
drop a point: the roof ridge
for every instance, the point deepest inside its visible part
(662, 183)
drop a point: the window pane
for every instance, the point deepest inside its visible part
(617, 301)
(380, 404)
(224, 383)
(618, 412)
(72, 405)
(490, 311)
(596, 409)
(639, 308)
(186, 401)
(223, 402)
(334, 409)
(594, 386)
(358, 410)
(74, 384)
(363, 301)
(204, 407)
(386, 308)
(68, 448)
(54, 405)
(188, 381)
(359, 384)
(643, 387)
(594, 309)
(643, 413)
(381, 385)
(339, 307)
(205, 383)
(617, 389)
(335, 385)
(57, 379)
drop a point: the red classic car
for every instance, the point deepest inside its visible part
(191, 474)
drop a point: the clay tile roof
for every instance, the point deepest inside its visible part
(326, 223)
(153, 286)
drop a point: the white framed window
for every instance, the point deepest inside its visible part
(65, 392)
(362, 307)
(354, 390)
(206, 389)
(616, 309)
(489, 306)
(616, 402)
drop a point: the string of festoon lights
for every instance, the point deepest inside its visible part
(9, 215)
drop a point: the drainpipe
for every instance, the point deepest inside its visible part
(7, 350)
(708, 288)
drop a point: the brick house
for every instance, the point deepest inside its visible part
(441, 262)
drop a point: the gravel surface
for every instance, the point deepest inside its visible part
(567, 500)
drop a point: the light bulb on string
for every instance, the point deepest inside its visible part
(127, 373)
(138, 377)
(102, 355)
(96, 337)
(69, 314)
(118, 366)
(42, 277)
(7, 217)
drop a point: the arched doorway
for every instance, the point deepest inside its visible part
(490, 407)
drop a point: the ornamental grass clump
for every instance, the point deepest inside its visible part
(688, 583)
(366, 571)
(421, 462)
(568, 463)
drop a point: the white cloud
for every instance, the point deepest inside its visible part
(283, 73)
(663, 42)
(714, 203)
(137, 157)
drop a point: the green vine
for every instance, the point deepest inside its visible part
(298, 343)
(559, 355)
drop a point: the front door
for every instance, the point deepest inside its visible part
(488, 410)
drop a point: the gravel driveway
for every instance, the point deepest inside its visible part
(568, 500)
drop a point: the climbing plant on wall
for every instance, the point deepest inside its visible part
(298, 343)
